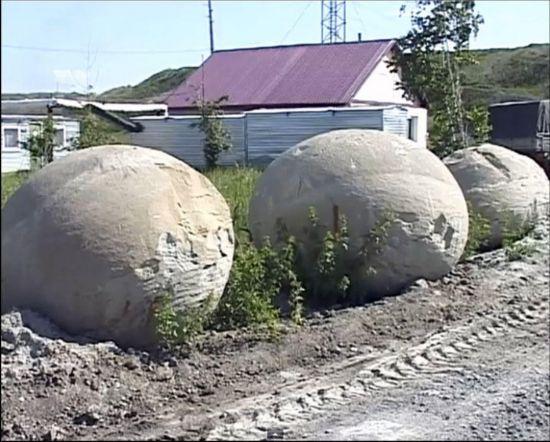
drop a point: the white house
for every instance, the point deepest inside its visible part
(310, 76)
(18, 125)
(21, 117)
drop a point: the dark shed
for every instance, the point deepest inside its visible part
(523, 126)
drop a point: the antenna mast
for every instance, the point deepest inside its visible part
(333, 21)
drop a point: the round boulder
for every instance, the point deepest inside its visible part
(94, 241)
(372, 178)
(507, 188)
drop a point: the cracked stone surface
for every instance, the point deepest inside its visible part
(504, 186)
(93, 239)
(364, 175)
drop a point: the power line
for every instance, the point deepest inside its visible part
(359, 16)
(296, 22)
(83, 51)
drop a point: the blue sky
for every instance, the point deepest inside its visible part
(104, 36)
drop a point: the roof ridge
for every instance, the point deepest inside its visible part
(253, 48)
(264, 84)
(368, 69)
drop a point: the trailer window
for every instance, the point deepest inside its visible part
(60, 137)
(11, 138)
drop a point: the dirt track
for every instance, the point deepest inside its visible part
(466, 357)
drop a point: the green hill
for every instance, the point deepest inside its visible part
(154, 89)
(508, 75)
(36, 95)
(500, 75)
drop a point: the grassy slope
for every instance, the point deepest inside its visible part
(237, 186)
(23, 96)
(153, 88)
(508, 75)
(501, 75)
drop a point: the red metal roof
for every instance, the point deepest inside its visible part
(280, 76)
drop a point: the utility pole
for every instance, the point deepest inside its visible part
(211, 27)
(333, 21)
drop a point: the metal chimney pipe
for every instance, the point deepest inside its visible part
(358, 36)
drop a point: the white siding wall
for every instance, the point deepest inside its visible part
(181, 139)
(14, 159)
(260, 136)
(271, 133)
(381, 86)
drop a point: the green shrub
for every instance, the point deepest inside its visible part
(321, 262)
(479, 231)
(328, 268)
(249, 295)
(317, 271)
(175, 328)
(95, 131)
(518, 250)
(513, 231)
(217, 138)
(41, 143)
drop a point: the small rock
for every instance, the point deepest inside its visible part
(131, 364)
(172, 362)
(421, 283)
(316, 315)
(275, 433)
(164, 374)
(129, 414)
(54, 433)
(7, 348)
(89, 418)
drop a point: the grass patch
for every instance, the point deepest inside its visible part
(479, 231)
(513, 232)
(11, 181)
(237, 186)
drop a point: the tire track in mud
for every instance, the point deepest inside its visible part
(269, 417)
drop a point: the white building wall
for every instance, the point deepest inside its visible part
(381, 86)
(17, 158)
(421, 115)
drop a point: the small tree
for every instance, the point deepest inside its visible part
(217, 138)
(477, 124)
(41, 143)
(430, 61)
(94, 132)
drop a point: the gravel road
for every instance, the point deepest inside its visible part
(466, 357)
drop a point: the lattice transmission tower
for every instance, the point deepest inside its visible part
(333, 21)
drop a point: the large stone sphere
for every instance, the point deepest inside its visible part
(368, 176)
(507, 188)
(94, 239)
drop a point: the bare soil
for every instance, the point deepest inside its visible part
(463, 357)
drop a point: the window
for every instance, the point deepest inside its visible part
(60, 137)
(11, 137)
(413, 128)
